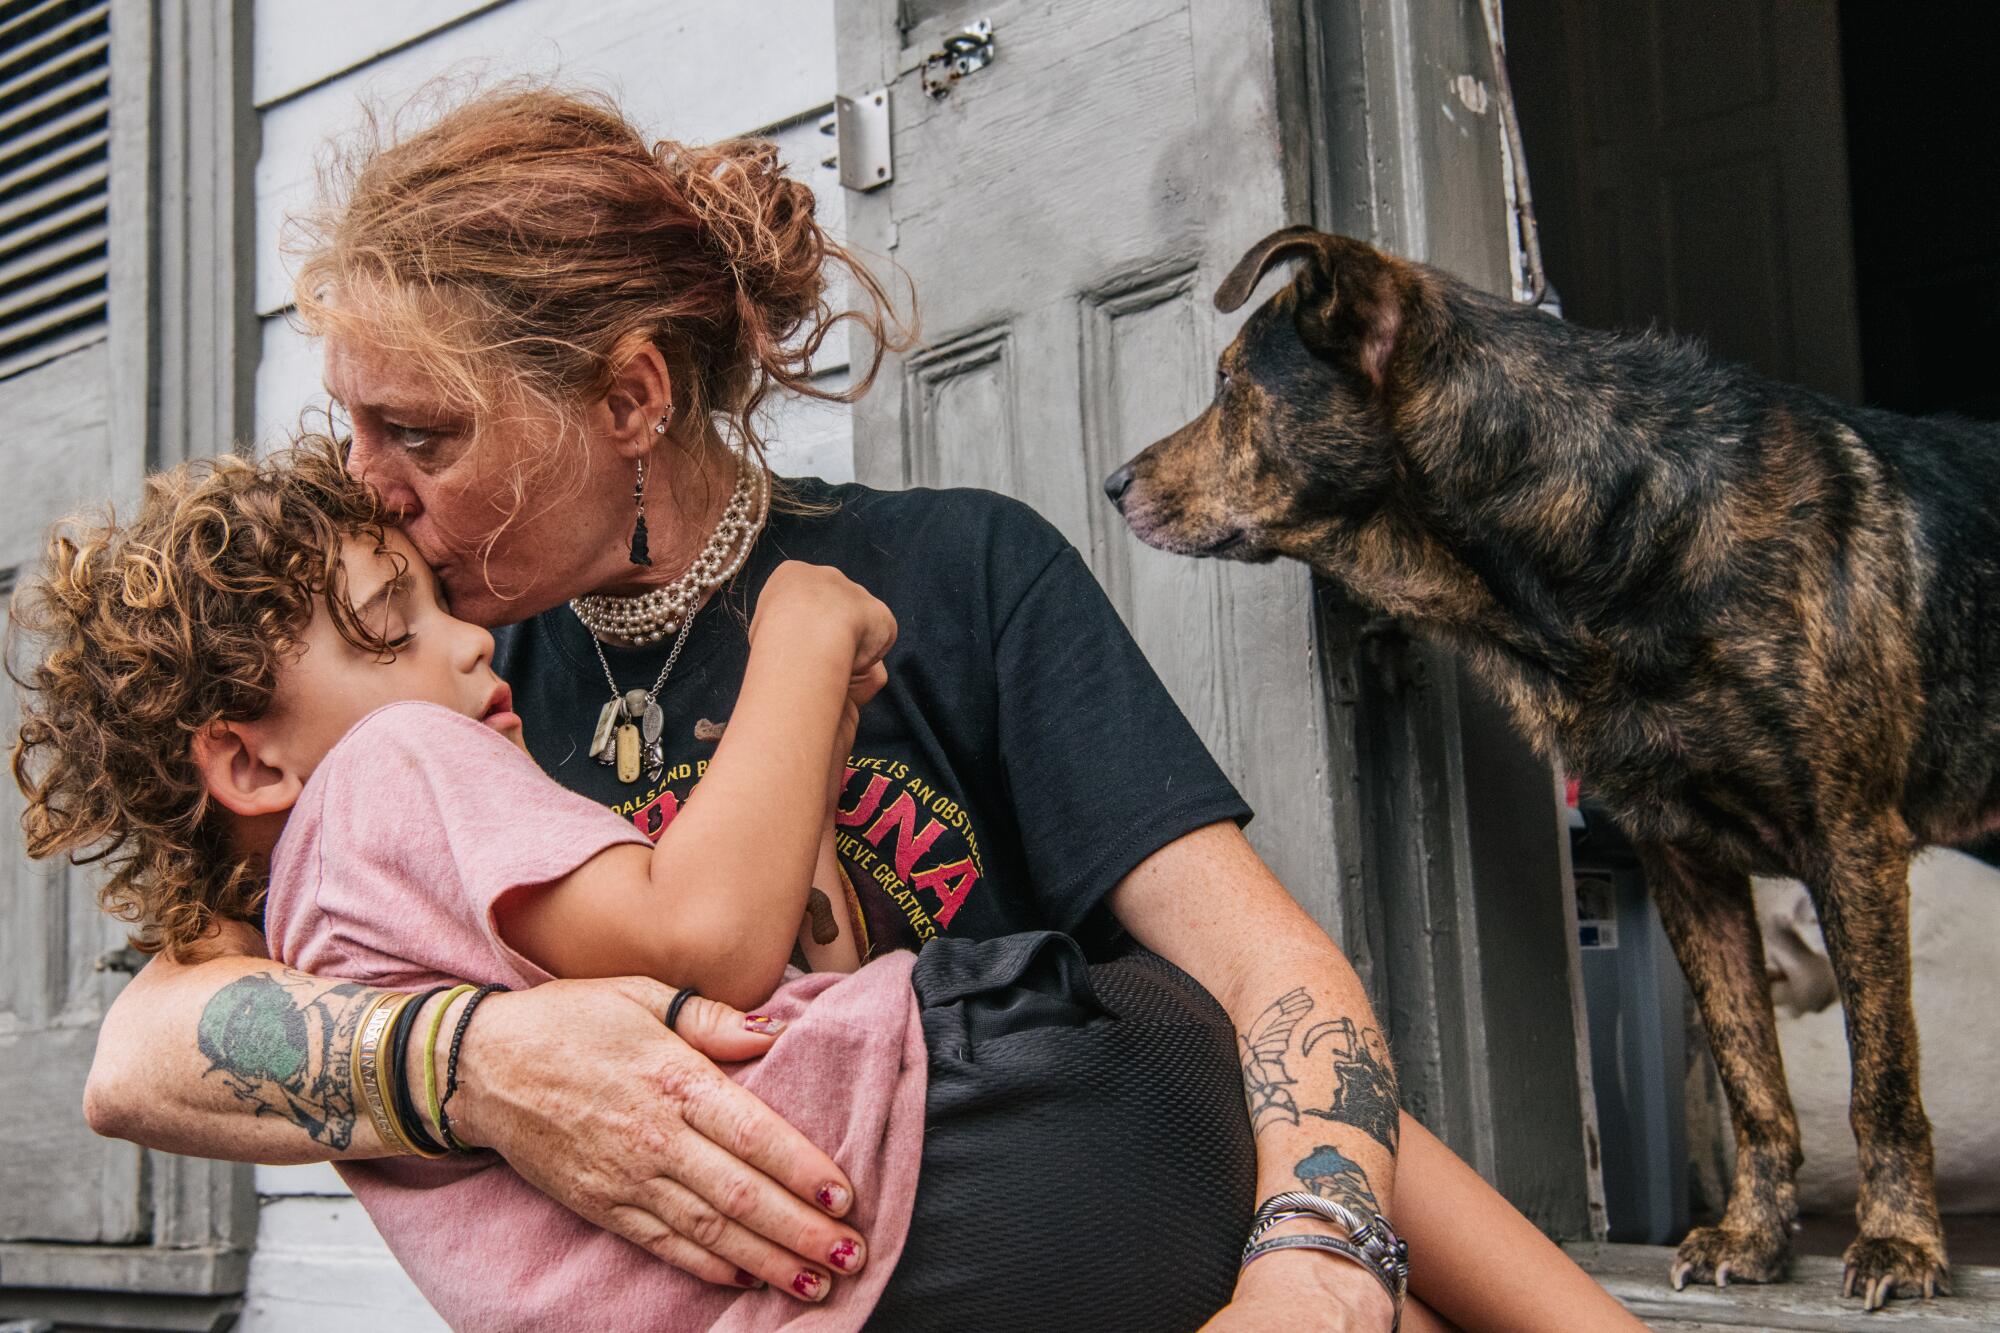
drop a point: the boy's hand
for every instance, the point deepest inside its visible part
(803, 598)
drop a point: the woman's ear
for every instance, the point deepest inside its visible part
(237, 777)
(641, 396)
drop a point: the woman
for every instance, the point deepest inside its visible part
(546, 335)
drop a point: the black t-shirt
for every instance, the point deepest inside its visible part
(1021, 759)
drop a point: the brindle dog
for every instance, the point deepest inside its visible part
(1764, 625)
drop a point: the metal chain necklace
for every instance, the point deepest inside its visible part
(634, 718)
(628, 727)
(659, 612)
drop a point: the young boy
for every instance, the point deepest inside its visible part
(252, 701)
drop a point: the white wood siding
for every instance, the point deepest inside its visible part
(685, 69)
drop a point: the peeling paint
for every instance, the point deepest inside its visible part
(1472, 93)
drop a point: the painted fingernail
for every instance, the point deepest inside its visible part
(744, 1279)
(845, 1255)
(833, 1198)
(763, 1024)
(809, 1284)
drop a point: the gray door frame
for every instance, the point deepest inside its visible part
(1460, 911)
(183, 353)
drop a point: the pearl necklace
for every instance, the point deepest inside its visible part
(658, 613)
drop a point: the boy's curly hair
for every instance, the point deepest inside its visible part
(152, 631)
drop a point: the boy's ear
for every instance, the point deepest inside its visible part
(238, 779)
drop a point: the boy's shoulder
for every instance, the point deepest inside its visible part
(402, 752)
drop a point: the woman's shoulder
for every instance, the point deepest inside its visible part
(942, 529)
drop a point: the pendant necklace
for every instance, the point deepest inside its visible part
(634, 718)
(628, 727)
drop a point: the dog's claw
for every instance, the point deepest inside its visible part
(1878, 1268)
(1720, 1256)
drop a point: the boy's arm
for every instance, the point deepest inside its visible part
(717, 904)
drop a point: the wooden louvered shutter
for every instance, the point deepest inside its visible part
(55, 78)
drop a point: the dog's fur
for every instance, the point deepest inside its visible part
(1763, 626)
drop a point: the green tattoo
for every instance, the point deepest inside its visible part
(282, 1044)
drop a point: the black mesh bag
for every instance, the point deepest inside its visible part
(1088, 1162)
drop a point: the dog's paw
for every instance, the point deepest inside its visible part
(1720, 1255)
(1880, 1267)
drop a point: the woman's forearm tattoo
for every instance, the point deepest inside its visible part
(1332, 1174)
(281, 1043)
(1346, 1074)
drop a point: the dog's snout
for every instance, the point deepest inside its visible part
(1118, 483)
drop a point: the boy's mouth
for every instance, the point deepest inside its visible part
(499, 713)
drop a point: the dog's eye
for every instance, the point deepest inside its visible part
(1221, 380)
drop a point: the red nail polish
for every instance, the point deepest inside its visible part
(744, 1279)
(833, 1198)
(763, 1024)
(846, 1256)
(807, 1284)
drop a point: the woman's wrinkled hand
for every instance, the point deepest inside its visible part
(584, 1091)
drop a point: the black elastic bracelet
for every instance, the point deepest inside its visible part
(414, 1123)
(681, 997)
(451, 1063)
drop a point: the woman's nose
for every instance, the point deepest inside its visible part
(372, 467)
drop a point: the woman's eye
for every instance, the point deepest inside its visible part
(412, 438)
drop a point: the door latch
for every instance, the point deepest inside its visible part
(860, 125)
(966, 51)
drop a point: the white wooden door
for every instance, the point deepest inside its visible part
(58, 1181)
(1065, 214)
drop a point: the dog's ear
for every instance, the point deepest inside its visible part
(1250, 269)
(1354, 303)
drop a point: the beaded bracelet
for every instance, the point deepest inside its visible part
(451, 1064)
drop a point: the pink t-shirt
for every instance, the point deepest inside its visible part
(408, 833)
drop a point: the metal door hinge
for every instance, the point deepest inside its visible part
(966, 51)
(862, 152)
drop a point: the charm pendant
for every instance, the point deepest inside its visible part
(628, 752)
(603, 745)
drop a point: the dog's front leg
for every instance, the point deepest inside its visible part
(1863, 897)
(1711, 920)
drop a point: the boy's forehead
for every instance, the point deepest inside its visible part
(371, 563)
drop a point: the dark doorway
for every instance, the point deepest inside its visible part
(1923, 137)
(1810, 186)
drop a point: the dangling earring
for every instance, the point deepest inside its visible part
(641, 555)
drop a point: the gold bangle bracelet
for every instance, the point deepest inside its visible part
(367, 1056)
(385, 1093)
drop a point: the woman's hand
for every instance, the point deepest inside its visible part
(585, 1092)
(1305, 1290)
